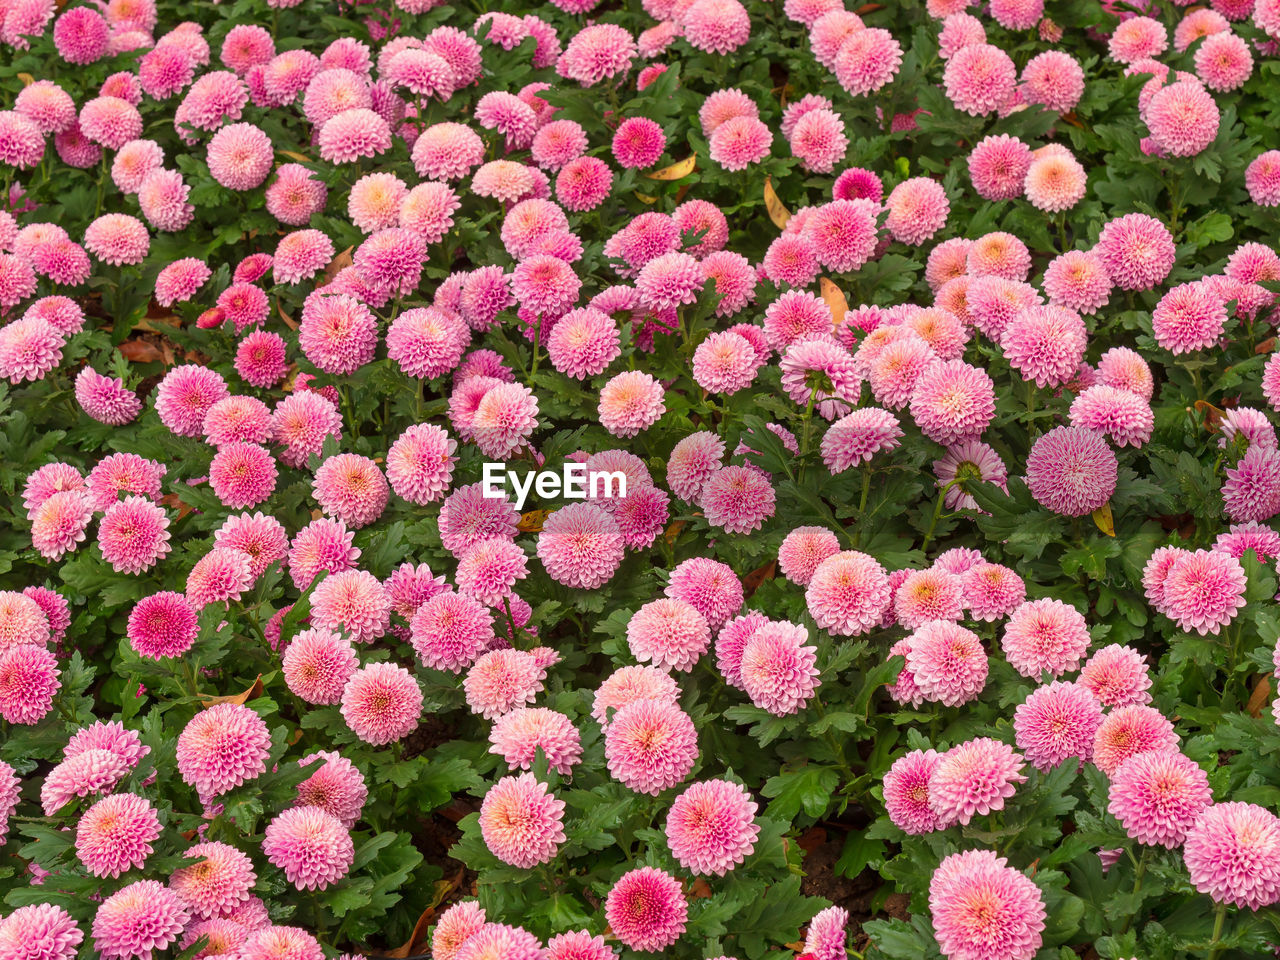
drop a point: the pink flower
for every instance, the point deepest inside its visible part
(137, 919)
(133, 535)
(381, 703)
(716, 26)
(221, 748)
(354, 601)
(501, 681)
(711, 827)
(737, 499)
(217, 885)
(521, 821)
(1251, 491)
(1128, 731)
(163, 624)
(650, 745)
(41, 931)
(918, 209)
(867, 60)
(906, 792)
(1044, 635)
(1203, 591)
(1262, 178)
(975, 777)
(336, 787)
(185, 395)
(740, 141)
(597, 52)
(1057, 721)
(115, 834)
(646, 909)
(310, 845)
(777, 668)
(1124, 417)
(848, 594)
(979, 78)
(353, 134)
(947, 663)
(1158, 796)
(983, 909)
(1232, 853)
(925, 595)
(317, 665)
(802, 550)
(1137, 251)
(1189, 317)
(518, 735)
(1183, 118)
(630, 402)
(1071, 471)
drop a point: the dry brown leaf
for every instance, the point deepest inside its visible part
(141, 351)
(645, 198)
(672, 532)
(700, 889)
(288, 320)
(1104, 521)
(1266, 346)
(293, 155)
(532, 521)
(27, 79)
(681, 168)
(240, 699)
(835, 300)
(419, 936)
(340, 262)
(1212, 415)
(751, 582)
(1259, 697)
(778, 213)
(172, 500)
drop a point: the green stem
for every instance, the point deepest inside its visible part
(937, 515)
(1140, 868)
(1219, 917)
(808, 426)
(537, 346)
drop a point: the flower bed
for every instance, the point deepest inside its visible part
(682, 478)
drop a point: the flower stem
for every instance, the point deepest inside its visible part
(1219, 916)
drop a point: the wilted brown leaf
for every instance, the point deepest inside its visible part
(778, 213)
(532, 521)
(1212, 415)
(835, 300)
(751, 582)
(681, 168)
(141, 351)
(240, 699)
(340, 262)
(418, 939)
(1259, 697)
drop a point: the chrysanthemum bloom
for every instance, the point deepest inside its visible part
(1130, 730)
(1189, 317)
(502, 680)
(163, 199)
(221, 748)
(739, 142)
(1223, 61)
(317, 665)
(467, 516)
(925, 595)
(1071, 471)
(106, 399)
(1045, 634)
(711, 827)
(295, 195)
(638, 143)
(427, 342)
(974, 777)
(1158, 796)
(456, 925)
(1232, 853)
(52, 622)
(185, 395)
(522, 822)
(56, 477)
(1241, 537)
(381, 703)
(123, 473)
(224, 935)
(858, 436)
(918, 209)
(505, 418)
(1183, 118)
(1204, 590)
(557, 143)
(1045, 344)
(323, 545)
(163, 624)
(979, 78)
(650, 745)
(1123, 416)
(709, 586)
(59, 523)
(40, 931)
(134, 535)
(93, 771)
(353, 601)
(136, 920)
(133, 162)
(791, 260)
(669, 281)
(500, 940)
(1057, 721)
(668, 633)
(716, 26)
(737, 499)
(299, 256)
(953, 401)
(1055, 79)
(239, 156)
(646, 909)
(848, 594)
(947, 663)
(420, 463)
(843, 233)
(776, 668)
(338, 333)
(117, 238)
(1137, 251)
(216, 885)
(335, 786)
(575, 945)
(597, 52)
(490, 569)
(983, 909)
(1055, 182)
(803, 549)
(351, 488)
(867, 60)
(694, 459)
(269, 941)
(242, 474)
(115, 834)
(81, 35)
(1078, 280)
(447, 151)
(1262, 178)
(583, 343)
(179, 281)
(1252, 487)
(906, 792)
(630, 402)
(991, 591)
(352, 134)
(222, 575)
(818, 140)
(629, 684)
(518, 736)
(310, 845)
(237, 419)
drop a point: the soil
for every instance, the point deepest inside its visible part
(823, 846)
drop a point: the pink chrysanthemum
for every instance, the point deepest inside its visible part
(906, 792)
(953, 401)
(629, 684)
(1137, 251)
(709, 586)
(991, 591)
(974, 777)
(1122, 416)
(650, 745)
(947, 663)
(420, 463)
(583, 343)
(59, 523)
(1057, 721)
(776, 668)
(1117, 676)
(858, 436)
(827, 937)
(1044, 635)
(1158, 796)
(163, 624)
(848, 594)
(979, 78)
(1232, 853)
(1251, 491)
(317, 665)
(1189, 317)
(1078, 280)
(220, 882)
(646, 909)
(518, 736)
(711, 827)
(502, 680)
(221, 748)
(630, 402)
(737, 499)
(694, 459)
(138, 919)
(106, 399)
(1071, 471)
(983, 909)
(669, 633)
(310, 845)
(323, 545)
(115, 834)
(222, 575)
(925, 595)
(353, 601)
(185, 395)
(1262, 179)
(468, 516)
(1045, 344)
(504, 419)
(134, 535)
(381, 703)
(90, 772)
(242, 474)
(1128, 731)
(1203, 591)
(40, 931)
(1183, 118)
(803, 549)
(351, 488)
(335, 786)
(352, 134)
(521, 821)
(867, 60)
(490, 569)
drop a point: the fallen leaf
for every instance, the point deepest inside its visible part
(172, 500)
(340, 262)
(672, 532)
(532, 521)
(751, 582)
(681, 168)
(645, 198)
(288, 320)
(1104, 521)
(1212, 415)
(1266, 346)
(866, 8)
(293, 155)
(1260, 694)
(141, 351)
(419, 936)
(240, 699)
(27, 79)
(777, 212)
(835, 300)
(699, 889)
